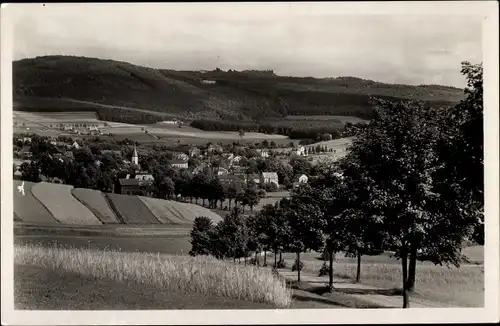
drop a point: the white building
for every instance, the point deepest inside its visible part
(263, 152)
(135, 156)
(300, 151)
(269, 177)
(301, 178)
(179, 164)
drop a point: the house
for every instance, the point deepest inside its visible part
(300, 178)
(228, 156)
(181, 156)
(179, 164)
(300, 151)
(26, 153)
(241, 176)
(128, 187)
(194, 151)
(214, 148)
(112, 152)
(208, 82)
(144, 178)
(269, 177)
(75, 145)
(27, 140)
(231, 180)
(199, 169)
(263, 152)
(222, 171)
(236, 159)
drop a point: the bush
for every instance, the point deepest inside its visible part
(270, 187)
(261, 193)
(281, 264)
(323, 270)
(297, 266)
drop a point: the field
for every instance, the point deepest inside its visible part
(172, 212)
(95, 201)
(62, 205)
(46, 124)
(28, 208)
(440, 285)
(176, 275)
(131, 209)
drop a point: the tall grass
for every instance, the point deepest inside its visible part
(180, 274)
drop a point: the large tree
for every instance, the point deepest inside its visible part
(304, 218)
(398, 151)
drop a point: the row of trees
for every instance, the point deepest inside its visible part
(411, 184)
(292, 128)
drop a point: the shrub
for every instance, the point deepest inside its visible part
(323, 270)
(281, 264)
(270, 187)
(297, 266)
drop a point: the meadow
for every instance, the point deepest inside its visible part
(177, 275)
(47, 124)
(445, 286)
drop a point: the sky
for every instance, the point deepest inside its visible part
(318, 40)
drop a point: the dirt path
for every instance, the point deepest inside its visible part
(383, 297)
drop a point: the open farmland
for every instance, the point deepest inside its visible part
(131, 209)
(95, 201)
(46, 124)
(38, 288)
(197, 210)
(62, 205)
(205, 276)
(165, 211)
(28, 208)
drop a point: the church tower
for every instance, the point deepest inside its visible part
(135, 157)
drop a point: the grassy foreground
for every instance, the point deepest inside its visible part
(203, 276)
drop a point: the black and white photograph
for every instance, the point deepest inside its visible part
(241, 163)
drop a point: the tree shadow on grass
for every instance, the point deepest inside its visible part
(306, 291)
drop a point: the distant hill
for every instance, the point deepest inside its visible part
(213, 95)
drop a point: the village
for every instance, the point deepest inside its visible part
(262, 167)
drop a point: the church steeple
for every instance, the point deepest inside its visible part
(135, 157)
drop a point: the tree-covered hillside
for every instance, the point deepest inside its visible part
(213, 95)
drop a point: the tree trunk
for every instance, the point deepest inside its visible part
(265, 257)
(298, 266)
(221, 201)
(230, 200)
(275, 257)
(404, 260)
(358, 271)
(412, 268)
(330, 271)
(203, 202)
(256, 258)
